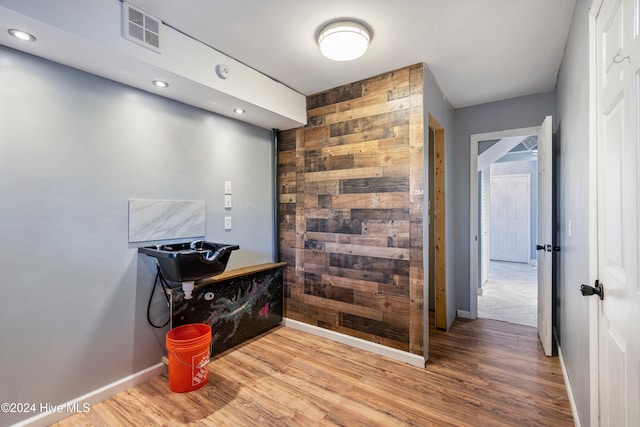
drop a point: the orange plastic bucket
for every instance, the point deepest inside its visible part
(188, 352)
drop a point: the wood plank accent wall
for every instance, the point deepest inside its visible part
(351, 203)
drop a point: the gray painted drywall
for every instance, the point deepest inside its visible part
(521, 112)
(573, 197)
(436, 104)
(73, 149)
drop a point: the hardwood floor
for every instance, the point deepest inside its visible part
(480, 373)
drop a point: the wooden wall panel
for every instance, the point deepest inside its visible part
(351, 195)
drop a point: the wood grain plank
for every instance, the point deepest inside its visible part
(366, 250)
(388, 184)
(287, 140)
(352, 239)
(440, 226)
(382, 120)
(335, 96)
(289, 378)
(370, 200)
(389, 228)
(322, 162)
(342, 307)
(339, 174)
(367, 107)
(386, 156)
(387, 82)
(351, 149)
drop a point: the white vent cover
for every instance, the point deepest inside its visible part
(141, 28)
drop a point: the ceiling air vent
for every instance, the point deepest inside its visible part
(141, 28)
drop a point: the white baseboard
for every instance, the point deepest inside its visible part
(84, 402)
(572, 402)
(463, 314)
(402, 356)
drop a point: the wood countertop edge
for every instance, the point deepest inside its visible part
(237, 272)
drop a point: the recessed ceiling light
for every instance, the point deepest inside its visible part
(22, 35)
(160, 83)
(238, 111)
(343, 40)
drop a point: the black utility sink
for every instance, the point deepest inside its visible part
(184, 262)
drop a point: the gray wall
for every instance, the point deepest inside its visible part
(513, 113)
(573, 198)
(73, 149)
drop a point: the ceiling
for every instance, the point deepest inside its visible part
(478, 50)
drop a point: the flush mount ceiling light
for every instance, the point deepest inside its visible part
(343, 40)
(238, 111)
(160, 83)
(22, 35)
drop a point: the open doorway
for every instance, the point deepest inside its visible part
(544, 226)
(508, 204)
(504, 204)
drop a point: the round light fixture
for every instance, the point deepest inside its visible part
(238, 111)
(22, 35)
(160, 83)
(343, 40)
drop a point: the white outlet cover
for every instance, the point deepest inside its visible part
(227, 223)
(227, 187)
(227, 201)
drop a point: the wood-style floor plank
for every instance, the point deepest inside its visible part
(480, 373)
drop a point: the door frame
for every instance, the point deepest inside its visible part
(594, 331)
(475, 139)
(440, 227)
(484, 204)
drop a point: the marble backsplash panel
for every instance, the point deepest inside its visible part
(151, 220)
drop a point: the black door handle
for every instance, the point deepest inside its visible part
(547, 248)
(598, 289)
(540, 248)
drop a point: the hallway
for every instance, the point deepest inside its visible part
(510, 294)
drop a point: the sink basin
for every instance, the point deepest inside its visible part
(183, 262)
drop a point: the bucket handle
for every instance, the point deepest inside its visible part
(200, 365)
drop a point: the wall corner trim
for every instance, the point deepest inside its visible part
(399, 355)
(95, 396)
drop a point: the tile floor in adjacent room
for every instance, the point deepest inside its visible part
(510, 294)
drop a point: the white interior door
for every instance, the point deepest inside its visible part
(510, 218)
(545, 248)
(618, 83)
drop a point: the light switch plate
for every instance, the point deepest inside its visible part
(227, 201)
(227, 187)
(227, 223)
